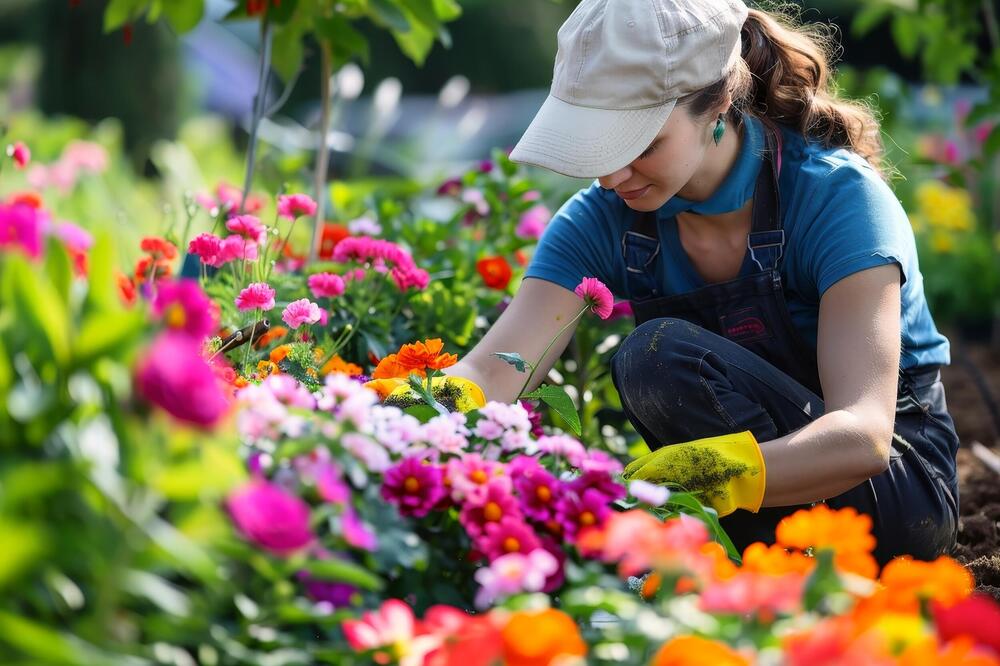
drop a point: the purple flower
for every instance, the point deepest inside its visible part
(183, 306)
(413, 486)
(450, 188)
(174, 376)
(537, 490)
(270, 517)
(337, 595)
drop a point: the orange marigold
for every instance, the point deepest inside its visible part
(266, 368)
(279, 353)
(274, 333)
(961, 651)
(536, 638)
(775, 561)
(337, 364)
(390, 368)
(426, 354)
(845, 531)
(907, 581)
(695, 651)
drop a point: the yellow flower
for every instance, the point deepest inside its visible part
(902, 630)
(942, 242)
(945, 207)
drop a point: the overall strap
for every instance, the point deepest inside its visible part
(640, 249)
(766, 240)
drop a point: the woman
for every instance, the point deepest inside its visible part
(780, 313)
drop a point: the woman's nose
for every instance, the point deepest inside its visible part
(613, 180)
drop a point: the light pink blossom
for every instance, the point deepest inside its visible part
(258, 295)
(248, 226)
(291, 206)
(302, 311)
(532, 222)
(512, 574)
(235, 247)
(326, 285)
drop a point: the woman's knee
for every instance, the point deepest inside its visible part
(657, 348)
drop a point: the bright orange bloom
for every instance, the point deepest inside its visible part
(775, 560)
(960, 652)
(496, 272)
(126, 288)
(651, 585)
(32, 199)
(329, 237)
(722, 567)
(536, 638)
(266, 368)
(274, 333)
(384, 386)
(845, 531)
(337, 364)
(390, 368)
(279, 353)
(159, 248)
(906, 582)
(426, 354)
(695, 651)
(835, 641)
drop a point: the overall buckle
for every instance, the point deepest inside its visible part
(770, 244)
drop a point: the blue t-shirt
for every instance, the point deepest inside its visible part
(839, 218)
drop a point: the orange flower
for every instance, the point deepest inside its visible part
(159, 248)
(536, 638)
(266, 368)
(836, 640)
(32, 199)
(384, 386)
(722, 567)
(496, 272)
(695, 651)
(844, 531)
(279, 353)
(908, 581)
(126, 288)
(274, 333)
(390, 368)
(426, 354)
(151, 267)
(775, 560)
(651, 585)
(960, 652)
(337, 364)
(329, 237)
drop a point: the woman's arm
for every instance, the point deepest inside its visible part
(537, 312)
(858, 355)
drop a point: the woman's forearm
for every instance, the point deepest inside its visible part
(831, 455)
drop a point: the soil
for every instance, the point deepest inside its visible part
(979, 486)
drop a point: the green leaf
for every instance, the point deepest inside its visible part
(992, 143)
(107, 333)
(345, 42)
(37, 306)
(822, 582)
(38, 640)
(869, 16)
(59, 269)
(342, 571)
(906, 33)
(184, 15)
(557, 398)
(514, 359)
(286, 51)
(422, 413)
(24, 544)
(120, 12)
(388, 14)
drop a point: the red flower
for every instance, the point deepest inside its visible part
(329, 237)
(126, 288)
(151, 268)
(977, 617)
(495, 271)
(160, 248)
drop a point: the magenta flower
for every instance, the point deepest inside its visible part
(469, 475)
(620, 310)
(355, 532)
(235, 247)
(532, 222)
(183, 306)
(596, 296)
(326, 285)
(302, 311)
(601, 482)
(73, 237)
(493, 506)
(174, 376)
(413, 486)
(577, 511)
(270, 517)
(510, 535)
(534, 417)
(257, 296)
(291, 206)
(410, 276)
(450, 188)
(19, 153)
(537, 490)
(23, 226)
(248, 227)
(207, 247)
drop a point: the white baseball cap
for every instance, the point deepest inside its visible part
(621, 66)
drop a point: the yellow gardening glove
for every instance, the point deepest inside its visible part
(726, 472)
(457, 394)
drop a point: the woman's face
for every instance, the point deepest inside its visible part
(666, 166)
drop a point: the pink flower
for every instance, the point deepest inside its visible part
(576, 511)
(174, 376)
(650, 493)
(492, 506)
(750, 592)
(469, 476)
(620, 310)
(563, 446)
(355, 532)
(531, 195)
(413, 486)
(270, 517)
(510, 535)
(326, 285)
(640, 541)
(257, 296)
(183, 306)
(451, 188)
(73, 237)
(532, 222)
(236, 247)
(19, 153)
(595, 295)
(23, 226)
(291, 206)
(231, 197)
(302, 311)
(247, 226)
(514, 573)
(85, 156)
(537, 490)
(393, 633)
(207, 247)
(410, 276)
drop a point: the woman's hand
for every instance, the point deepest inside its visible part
(534, 316)
(858, 355)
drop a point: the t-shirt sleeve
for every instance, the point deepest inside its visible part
(856, 223)
(578, 242)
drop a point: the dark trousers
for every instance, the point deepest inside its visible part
(679, 382)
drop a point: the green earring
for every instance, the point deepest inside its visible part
(720, 129)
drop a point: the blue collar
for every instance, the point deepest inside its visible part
(738, 186)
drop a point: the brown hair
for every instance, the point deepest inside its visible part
(784, 77)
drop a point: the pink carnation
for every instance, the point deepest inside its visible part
(326, 285)
(411, 276)
(596, 296)
(302, 311)
(247, 226)
(291, 206)
(174, 376)
(207, 247)
(236, 247)
(270, 517)
(19, 153)
(258, 295)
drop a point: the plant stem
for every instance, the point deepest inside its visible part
(258, 107)
(991, 24)
(323, 150)
(551, 342)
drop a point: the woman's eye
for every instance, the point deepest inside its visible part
(646, 153)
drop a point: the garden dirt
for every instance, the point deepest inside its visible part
(979, 487)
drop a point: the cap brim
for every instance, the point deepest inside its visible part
(585, 142)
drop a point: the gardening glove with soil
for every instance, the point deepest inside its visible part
(725, 472)
(456, 394)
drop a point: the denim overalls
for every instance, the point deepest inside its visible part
(713, 386)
